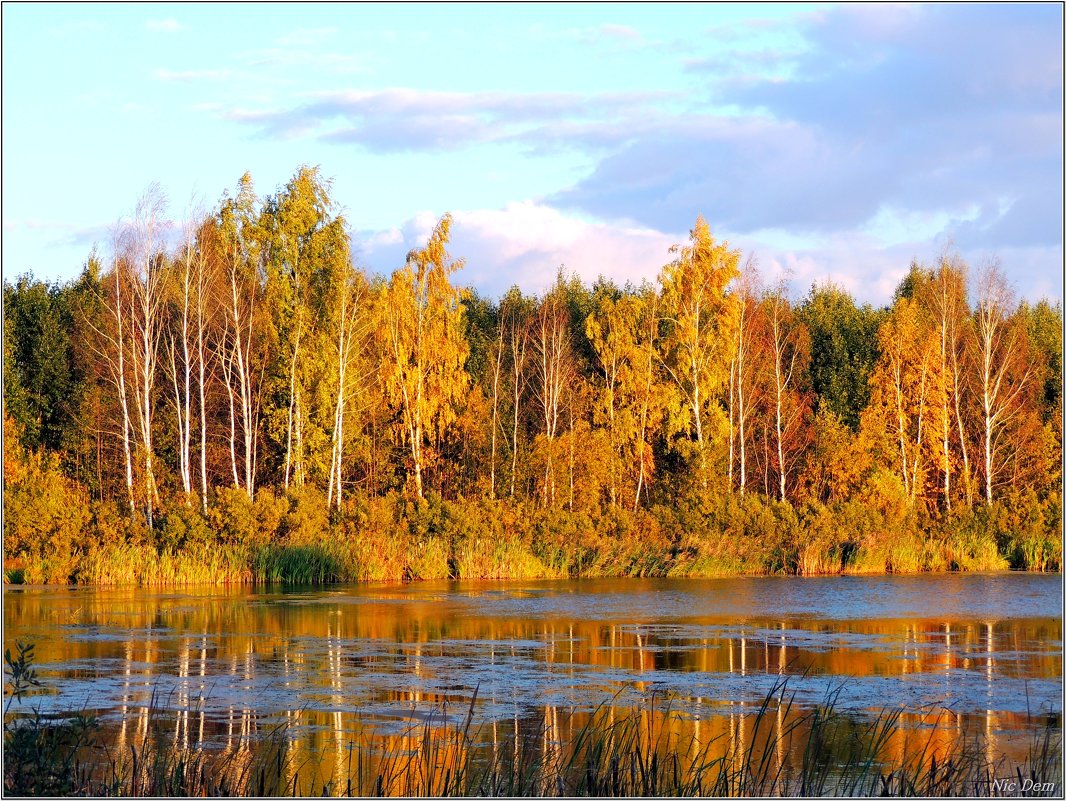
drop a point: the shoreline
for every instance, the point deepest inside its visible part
(295, 539)
(285, 582)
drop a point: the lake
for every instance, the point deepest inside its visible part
(329, 669)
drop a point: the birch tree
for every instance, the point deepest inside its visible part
(421, 330)
(204, 311)
(307, 263)
(352, 330)
(185, 315)
(242, 251)
(1003, 373)
(701, 318)
(789, 349)
(624, 334)
(609, 329)
(515, 314)
(143, 247)
(900, 390)
(110, 343)
(655, 397)
(552, 359)
(743, 370)
(943, 297)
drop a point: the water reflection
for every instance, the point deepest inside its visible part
(337, 678)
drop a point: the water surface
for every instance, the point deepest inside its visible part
(960, 652)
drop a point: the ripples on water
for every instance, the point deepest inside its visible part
(961, 653)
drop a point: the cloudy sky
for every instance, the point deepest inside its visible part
(831, 142)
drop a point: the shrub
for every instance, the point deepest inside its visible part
(1026, 530)
(111, 525)
(182, 526)
(45, 520)
(823, 544)
(307, 518)
(240, 521)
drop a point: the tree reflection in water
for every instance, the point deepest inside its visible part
(369, 688)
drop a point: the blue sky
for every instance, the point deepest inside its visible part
(831, 142)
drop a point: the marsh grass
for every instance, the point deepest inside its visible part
(618, 752)
(123, 564)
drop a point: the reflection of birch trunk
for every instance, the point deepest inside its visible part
(202, 687)
(181, 723)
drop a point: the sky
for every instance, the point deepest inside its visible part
(834, 142)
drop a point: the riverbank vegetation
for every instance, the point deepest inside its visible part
(243, 403)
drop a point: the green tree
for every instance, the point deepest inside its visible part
(1044, 324)
(844, 350)
(306, 259)
(40, 378)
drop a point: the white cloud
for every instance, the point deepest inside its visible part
(867, 268)
(168, 25)
(525, 243)
(409, 119)
(305, 37)
(79, 28)
(291, 56)
(619, 31)
(185, 76)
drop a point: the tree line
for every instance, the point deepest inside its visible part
(254, 355)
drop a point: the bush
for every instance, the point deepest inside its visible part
(111, 526)
(1026, 530)
(45, 520)
(240, 521)
(182, 527)
(307, 518)
(823, 545)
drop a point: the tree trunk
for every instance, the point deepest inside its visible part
(123, 400)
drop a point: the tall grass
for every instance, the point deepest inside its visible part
(617, 753)
(146, 565)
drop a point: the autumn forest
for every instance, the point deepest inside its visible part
(242, 403)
